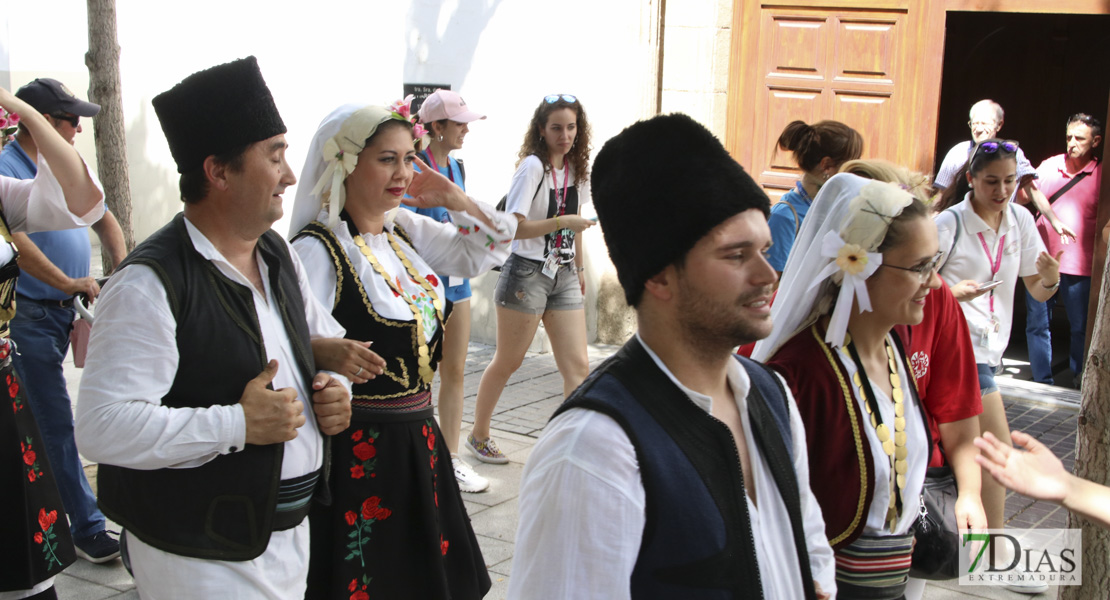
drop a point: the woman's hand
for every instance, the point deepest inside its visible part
(1048, 267)
(430, 188)
(967, 289)
(351, 358)
(575, 223)
(969, 512)
(582, 282)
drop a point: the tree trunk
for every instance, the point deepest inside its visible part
(111, 139)
(1092, 452)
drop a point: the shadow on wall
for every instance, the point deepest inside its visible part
(154, 196)
(453, 52)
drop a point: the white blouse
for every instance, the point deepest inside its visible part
(916, 445)
(465, 248)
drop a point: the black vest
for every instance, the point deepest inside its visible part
(395, 341)
(697, 541)
(224, 508)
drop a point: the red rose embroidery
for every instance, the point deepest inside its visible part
(47, 519)
(432, 279)
(356, 436)
(370, 507)
(360, 595)
(432, 462)
(364, 451)
(38, 537)
(432, 441)
(29, 457)
(425, 431)
(351, 517)
(443, 545)
(370, 440)
(435, 496)
(357, 472)
(31, 475)
(476, 228)
(353, 585)
(13, 388)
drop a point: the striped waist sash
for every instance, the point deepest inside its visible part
(294, 500)
(874, 567)
(416, 402)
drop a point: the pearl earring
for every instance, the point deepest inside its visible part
(440, 139)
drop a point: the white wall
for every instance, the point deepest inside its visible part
(502, 55)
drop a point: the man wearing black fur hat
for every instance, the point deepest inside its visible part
(200, 398)
(677, 470)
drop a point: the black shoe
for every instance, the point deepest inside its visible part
(98, 548)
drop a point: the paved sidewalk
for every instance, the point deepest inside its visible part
(532, 394)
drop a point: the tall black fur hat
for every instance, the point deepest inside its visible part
(217, 110)
(660, 186)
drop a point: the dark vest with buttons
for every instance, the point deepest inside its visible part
(697, 541)
(394, 340)
(223, 509)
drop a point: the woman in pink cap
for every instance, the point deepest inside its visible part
(446, 117)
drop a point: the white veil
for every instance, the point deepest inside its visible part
(846, 223)
(332, 156)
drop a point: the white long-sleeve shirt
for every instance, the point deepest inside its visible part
(582, 508)
(131, 365)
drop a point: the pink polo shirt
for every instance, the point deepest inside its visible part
(1078, 209)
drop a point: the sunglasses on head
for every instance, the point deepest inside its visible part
(553, 98)
(990, 147)
(71, 119)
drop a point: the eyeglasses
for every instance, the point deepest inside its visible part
(992, 146)
(71, 119)
(553, 98)
(974, 124)
(924, 271)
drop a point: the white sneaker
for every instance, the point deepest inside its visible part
(469, 480)
(1027, 587)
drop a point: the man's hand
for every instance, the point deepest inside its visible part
(85, 285)
(331, 403)
(272, 416)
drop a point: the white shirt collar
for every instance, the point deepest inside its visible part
(737, 379)
(976, 224)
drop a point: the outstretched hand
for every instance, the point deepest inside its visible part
(430, 188)
(1036, 473)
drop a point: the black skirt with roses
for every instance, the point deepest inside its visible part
(34, 536)
(397, 526)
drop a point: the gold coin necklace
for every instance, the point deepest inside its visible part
(424, 357)
(894, 447)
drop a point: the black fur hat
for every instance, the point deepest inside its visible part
(660, 186)
(217, 110)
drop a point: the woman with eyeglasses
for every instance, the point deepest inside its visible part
(989, 244)
(861, 270)
(544, 278)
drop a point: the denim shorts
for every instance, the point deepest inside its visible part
(986, 378)
(524, 288)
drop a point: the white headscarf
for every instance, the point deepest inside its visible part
(837, 244)
(332, 156)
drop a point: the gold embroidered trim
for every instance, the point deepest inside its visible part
(849, 402)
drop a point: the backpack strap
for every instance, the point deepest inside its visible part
(955, 236)
(797, 221)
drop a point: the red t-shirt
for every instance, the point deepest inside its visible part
(942, 344)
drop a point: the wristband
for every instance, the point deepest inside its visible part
(557, 228)
(579, 269)
(1051, 287)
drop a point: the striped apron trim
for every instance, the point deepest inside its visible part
(294, 499)
(874, 568)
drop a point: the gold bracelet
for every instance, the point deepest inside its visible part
(557, 228)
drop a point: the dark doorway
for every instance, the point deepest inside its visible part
(1041, 68)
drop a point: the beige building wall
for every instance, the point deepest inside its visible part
(696, 61)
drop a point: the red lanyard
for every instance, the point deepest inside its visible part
(450, 171)
(561, 201)
(995, 263)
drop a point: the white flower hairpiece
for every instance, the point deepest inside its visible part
(855, 265)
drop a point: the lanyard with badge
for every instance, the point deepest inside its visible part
(450, 171)
(990, 334)
(551, 264)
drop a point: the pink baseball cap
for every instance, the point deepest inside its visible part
(445, 104)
